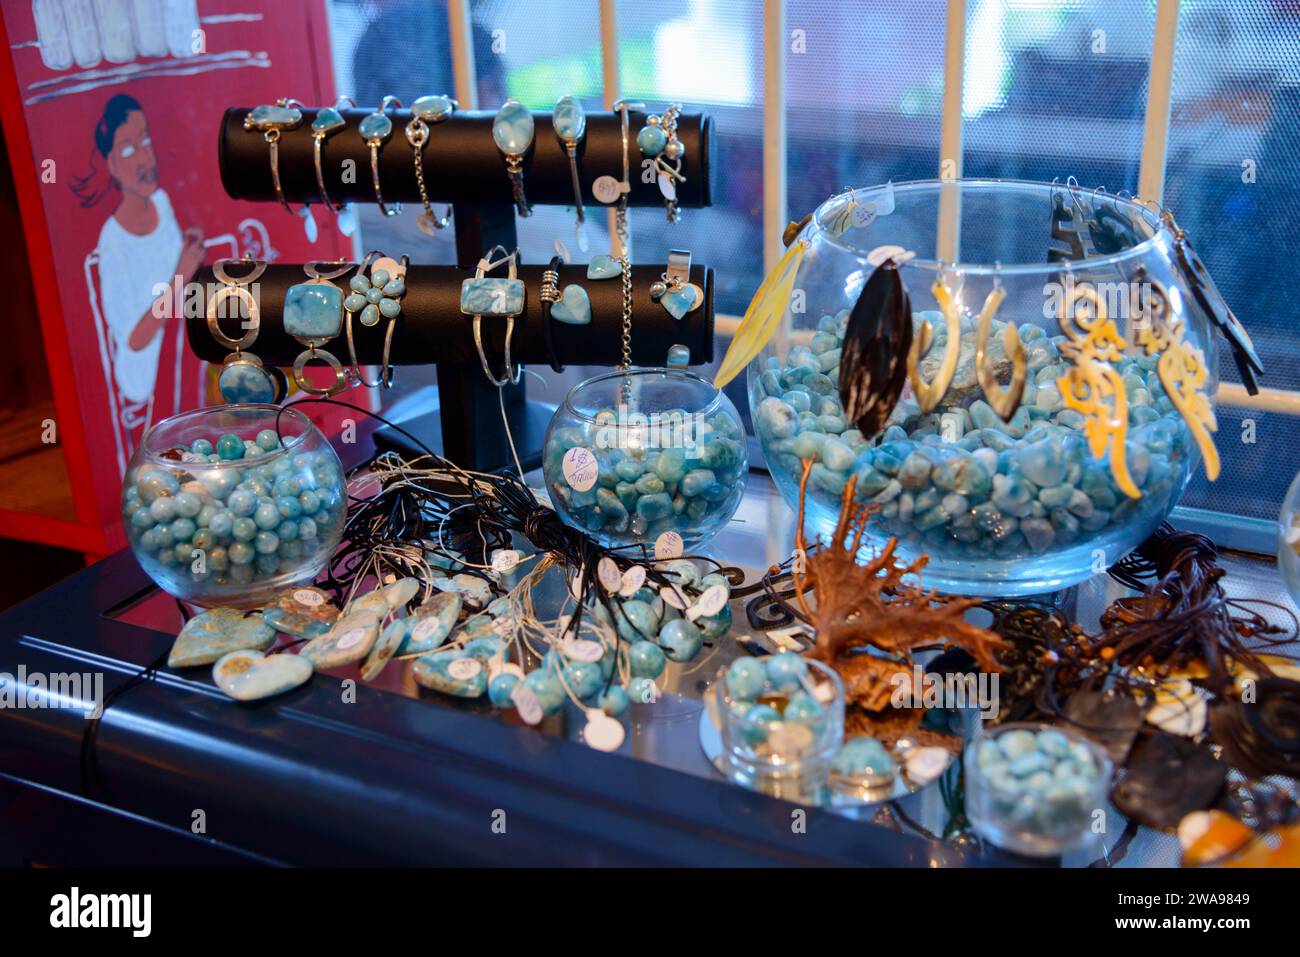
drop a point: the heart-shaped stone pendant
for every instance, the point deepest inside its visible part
(209, 635)
(603, 266)
(679, 301)
(431, 623)
(574, 307)
(250, 675)
(348, 641)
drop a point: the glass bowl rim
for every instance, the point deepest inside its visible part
(155, 458)
(640, 371)
(1152, 218)
(1105, 766)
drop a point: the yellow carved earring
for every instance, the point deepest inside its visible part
(1003, 401)
(929, 393)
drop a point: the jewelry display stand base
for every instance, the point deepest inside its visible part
(420, 414)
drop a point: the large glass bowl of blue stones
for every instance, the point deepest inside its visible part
(632, 456)
(229, 504)
(1001, 507)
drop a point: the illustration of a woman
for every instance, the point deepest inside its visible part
(141, 246)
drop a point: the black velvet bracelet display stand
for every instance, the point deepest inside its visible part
(462, 166)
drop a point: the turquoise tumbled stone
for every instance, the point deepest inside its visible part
(604, 266)
(681, 639)
(645, 659)
(370, 315)
(245, 382)
(614, 701)
(862, 756)
(652, 140)
(786, 670)
(573, 308)
(359, 283)
(678, 356)
(373, 295)
(376, 126)
(431, 623)
(746, 678)
(313, 310)
(441, 671)
(390, 308)
(272, 117)
(569, 119)
(512, 129)
(395, 287)
(678, 301)
(547, 689)
(433, 108)
(490, 296)
(378, 277)
(354, 302)
(251, 675)
(500, 689)
(210, 634)
(327, 120)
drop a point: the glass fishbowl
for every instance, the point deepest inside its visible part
(1070, 297)
(631, 457)
(229, 504)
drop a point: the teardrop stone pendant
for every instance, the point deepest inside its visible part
(873, 364)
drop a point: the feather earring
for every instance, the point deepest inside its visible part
(873, 364)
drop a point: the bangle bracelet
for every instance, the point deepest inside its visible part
(658, 139)
(570, 122)
(271, 121)
(486, 295)
(512, 130)
(243, 378)
(375, 129)
(329, 121)
(376, 296)
(425, 111)
(313, 314)
(550, 293)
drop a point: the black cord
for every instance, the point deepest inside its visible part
(548, 323)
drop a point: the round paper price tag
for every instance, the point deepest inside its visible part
(602, 732)
(504, 559)
(606, 190)
(711, 602)
(580, 469)
(526, 703)
(581, 649)
(351, 639)
(882, 253)
(672, 596)
(610, 577)
(309, 598)
(667, 545)
(424, 629)
(462, 669)
(633, 579)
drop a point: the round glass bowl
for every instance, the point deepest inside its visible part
(777, 721)
(1034, 788)
(1288, 540)
(632, 456)
(1001, 507)
(219, 510)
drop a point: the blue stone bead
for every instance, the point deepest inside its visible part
(604, 266)
(378, 277)
(373, 295)
(354, 302)
(187, 504)
(569, 119)
(142, 518)
(183, 529)
(500, 688)
(390, 308)
(754, 725)
(574, 306)
(651, 508)
(313, 310)
(547, 689)
(646, 659)
(431, 109)
(241, 553)
(681, 639)
(266, 516)
(714, 627)
(512, 129)
(327, 120)
(584, 678)
(651, 140)
(163, 509)
(696, 481)
(201, 447)
(803, 708)
(376, 126)
(642, 691)
(862, 756)
(746, 678)
(786, 670)
(268, 440)
(370, 315)
(266, 543)
(678, 356)
(636, 620)
(614, 701)
(395, 287)
(359, 283)
(230, 447)
(492, 296)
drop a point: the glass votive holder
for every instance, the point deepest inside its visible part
(1035, 788)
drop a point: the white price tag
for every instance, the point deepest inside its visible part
(633, 579)
(862, 215)
(672, 596)
(606, 189)
(581, 649)
(710, 603)
(668, 545)
(424, 628)
(351, 639)
(504, 627)
(305, 596)
(526, 703)
(504, 559)
(610, 577)
(580, 469)
(882, 253)
(462, 669)
(602, 732)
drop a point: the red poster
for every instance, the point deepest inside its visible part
(122, 101)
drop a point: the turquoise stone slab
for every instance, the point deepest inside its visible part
(431, 623)
(313, 310)
(295, 624)
(347, 642)
(604, 266)
(569, 119)
(210, 634)
(431, 109)
(513, 128)
(451, 672)
(489, 296)
(376, 126)
(251, 675)
(328, 120)
(272, 117)
(679, 301)
(371, 603)
(382, 653)
(244, 382)
(574, 306)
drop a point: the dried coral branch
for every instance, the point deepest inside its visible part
(877, 604)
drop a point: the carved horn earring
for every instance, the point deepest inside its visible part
(1003, 401)
(929, 393)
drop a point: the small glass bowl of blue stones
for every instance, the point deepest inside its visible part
(1035, 789)
(780, 718)
(630, 457)
(1003, 507)
(227, 505)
